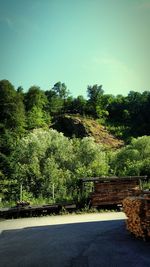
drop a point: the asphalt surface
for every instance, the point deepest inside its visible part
(89, 240)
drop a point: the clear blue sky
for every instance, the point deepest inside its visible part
(79, 42)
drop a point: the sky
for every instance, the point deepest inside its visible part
(78, 42)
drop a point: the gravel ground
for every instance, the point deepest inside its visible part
(90, 240)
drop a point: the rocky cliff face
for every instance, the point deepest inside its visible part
(79, 127)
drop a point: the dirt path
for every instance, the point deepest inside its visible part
(74, 240)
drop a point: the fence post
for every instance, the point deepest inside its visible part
(20, 192)
(53, 191)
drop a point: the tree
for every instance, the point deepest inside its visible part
(35, 97)
(61, 90)
(95, 94)
(138, 108)
(37, 118)
(79, 105)
(11, 108)
(69, 105)
(36, 106)
(57, 98)
(12, 127)
(117, 109)
(55, 103)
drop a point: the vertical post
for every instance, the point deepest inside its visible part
(53, 191)
(20, 192)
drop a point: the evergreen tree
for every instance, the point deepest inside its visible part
(11, 108)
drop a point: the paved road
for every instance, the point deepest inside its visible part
(90, 240)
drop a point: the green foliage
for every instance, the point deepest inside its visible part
(47, 163)
(8, 140)
(124, 116)
(134, 159)
(78, 105)
(57, 98)
(146, 186)
(95, 94)
(36, 106)
(131, 113)
(61, 90)
(37, 118)
(90, 158)
(35, 97)
(11, 108)
(45, 158)
(120, 131)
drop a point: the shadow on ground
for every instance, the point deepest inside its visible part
(91, 244)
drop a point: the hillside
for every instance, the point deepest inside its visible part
(78, 126)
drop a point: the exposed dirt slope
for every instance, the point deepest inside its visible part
(77, 126)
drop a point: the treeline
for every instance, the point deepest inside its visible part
(21, 111)
(39, 159)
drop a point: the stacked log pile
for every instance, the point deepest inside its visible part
(137, 210)
(113, 192)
